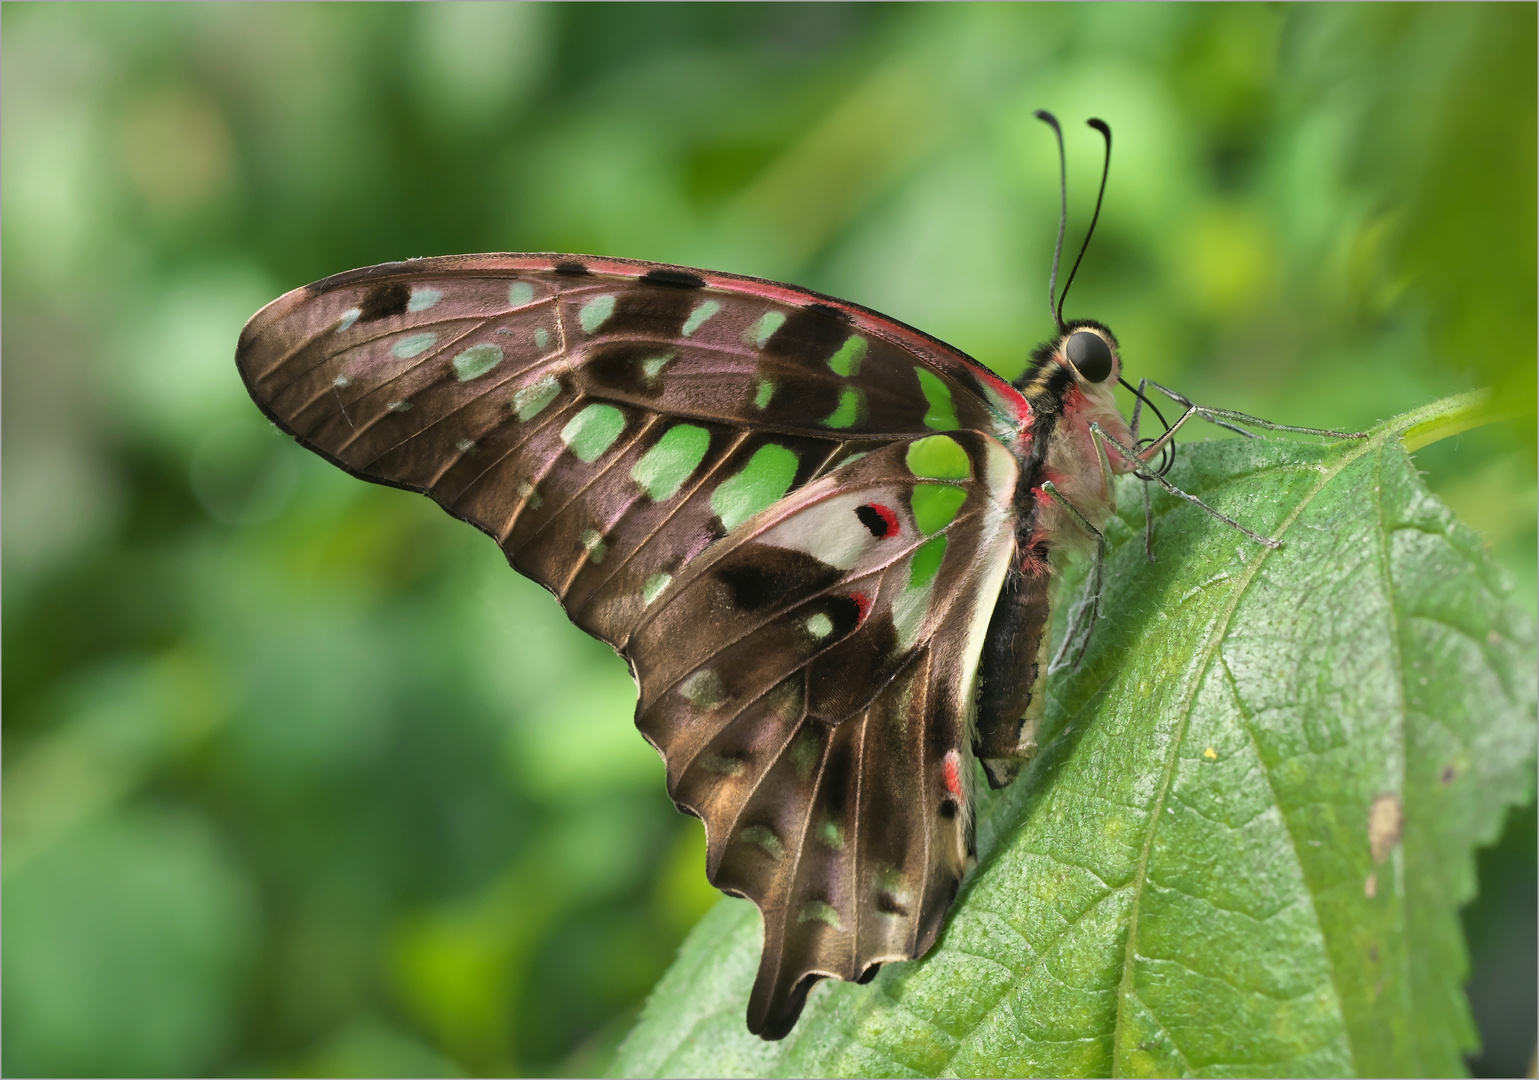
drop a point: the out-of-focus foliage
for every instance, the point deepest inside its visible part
(299, 777)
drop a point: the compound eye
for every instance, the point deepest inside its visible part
(1090, 355)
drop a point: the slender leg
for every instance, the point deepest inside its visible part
(1081, 624)
(1218, 416)
(1138, 405)
(1129, 453)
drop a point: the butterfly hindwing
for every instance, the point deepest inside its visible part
(792, 515)
(810, 683)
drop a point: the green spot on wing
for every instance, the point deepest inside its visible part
(654, 587)
(926, 562)
(653, 366)
(698, 317)
(935, 505)
(820, 626)
(520, 293)
(532, 399)
(596, 312)
(942, 415)
(477, 361)
(938, 457)
(762, 395)
(541, 338)
(819, 911)
(764, 838)
(851, 408)
(593, 431)
(414, 345)
(663, 469)
(761, 483)
(422, 299)
(761, 331)
(847, 360)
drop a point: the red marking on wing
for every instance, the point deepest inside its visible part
(951, 769)
(863, 602)
(889, 517)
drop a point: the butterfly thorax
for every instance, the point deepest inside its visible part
(1064, 403)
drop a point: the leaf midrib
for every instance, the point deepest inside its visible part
(1221, 629)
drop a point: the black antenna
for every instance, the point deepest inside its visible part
(1099, 125)
(1063, 214)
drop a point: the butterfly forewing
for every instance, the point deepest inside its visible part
(743, 487)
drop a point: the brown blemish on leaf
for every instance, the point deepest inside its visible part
(1371, 886)
(1386, 821)
(1447, 775)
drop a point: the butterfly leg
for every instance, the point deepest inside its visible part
(1138, 406)
(1081, 623)
(1130, 454)
(1222, 416)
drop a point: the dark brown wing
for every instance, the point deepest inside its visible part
(742, 487)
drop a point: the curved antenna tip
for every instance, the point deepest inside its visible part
(1046, 117)
(1100, 125)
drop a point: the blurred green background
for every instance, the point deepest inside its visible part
(299, 777)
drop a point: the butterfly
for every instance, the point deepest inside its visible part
(822, 540)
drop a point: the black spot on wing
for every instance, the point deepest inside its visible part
(385, 300)
(811, 334)
(677, 279)
(872, 520)
(620, 368)
(759, 577)
(657, 313)
(571, 268)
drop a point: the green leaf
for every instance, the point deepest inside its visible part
(1244, 845)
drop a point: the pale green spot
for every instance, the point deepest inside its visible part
(399, 406)
(520, 293)
(764, 838)
(926, 562)
(466, 446)
(820, 626)
(852, 458)
(935, 505)
(942, 415)
(852, 406)
(414, 345)
(593, 541)
(653, 366)
(341, 380)
(674, 458)
(593, 431)
(805, 752)
(703, 689)
(762, 395)
(761, 331)
(596, 312)
(698, 317)
(653, 587)
(847, 360)
(721, 766)
(938, 457)
(349, 317)
(761, 483)
(817, 910)
(527, 491)
(422, 299)
(831, 834)
(477, 361)
(541, 338)
(532, 399)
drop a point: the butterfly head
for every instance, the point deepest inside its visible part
(1084, 350)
